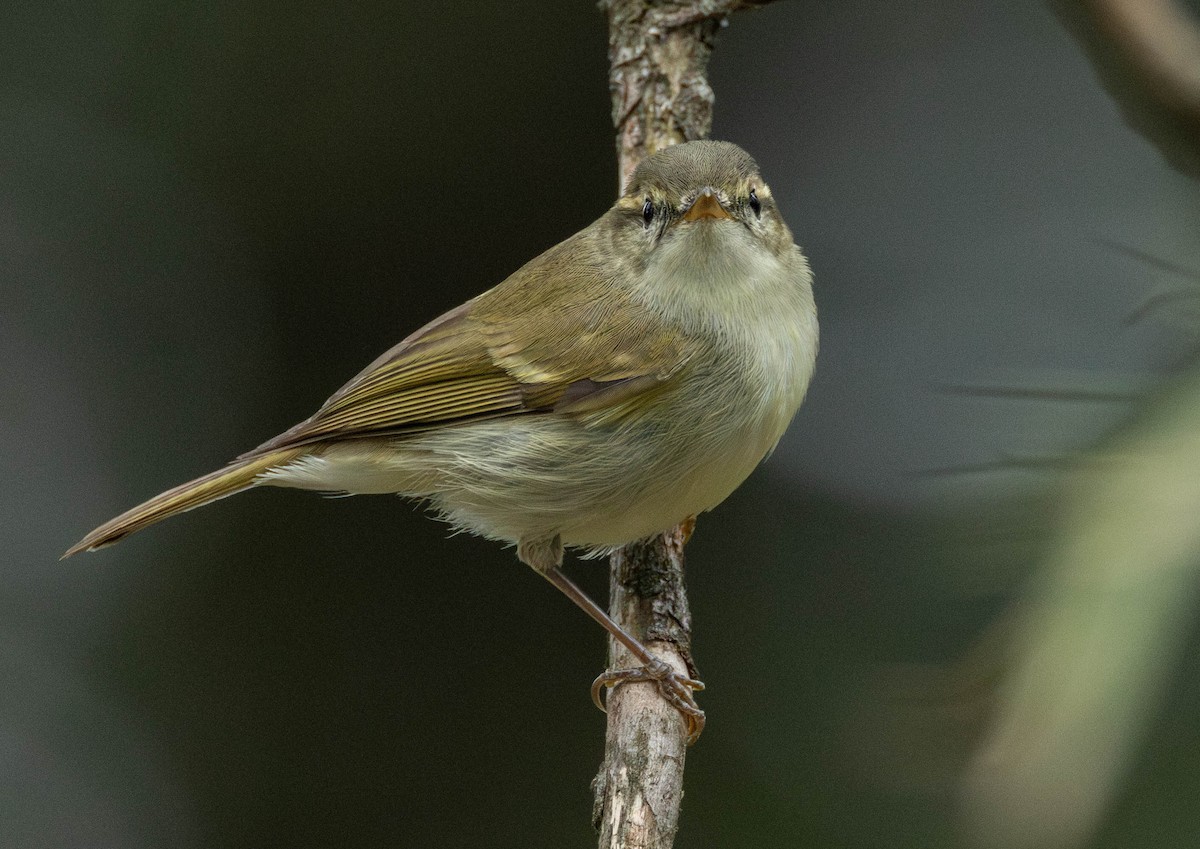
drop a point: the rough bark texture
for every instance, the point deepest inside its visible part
(640, 785)
(658, 52)
(658, 56)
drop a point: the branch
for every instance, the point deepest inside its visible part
(658, 52)
(640, 784)
(1147, 53)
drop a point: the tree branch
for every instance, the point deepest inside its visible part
(658, 52)
(658, 55)
(1147, 53)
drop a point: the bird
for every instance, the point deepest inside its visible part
(628, 378)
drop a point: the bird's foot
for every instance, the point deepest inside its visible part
(675, 688)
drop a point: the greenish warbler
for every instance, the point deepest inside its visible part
(629, 377)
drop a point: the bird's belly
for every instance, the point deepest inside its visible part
(664, 496)
(596, 486)
(602, 487)
(539, 476)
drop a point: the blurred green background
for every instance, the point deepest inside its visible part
(212, 215)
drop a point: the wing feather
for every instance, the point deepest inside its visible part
(537, 343)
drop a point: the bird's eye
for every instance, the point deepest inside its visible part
(754, 204)
(648, 211)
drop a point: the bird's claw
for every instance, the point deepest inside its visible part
(675, 688)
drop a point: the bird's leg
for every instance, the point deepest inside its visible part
(545, 557)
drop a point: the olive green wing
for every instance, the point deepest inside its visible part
(536, 344)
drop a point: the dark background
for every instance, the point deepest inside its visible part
(212, 215)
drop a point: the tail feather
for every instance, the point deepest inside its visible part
(238, 476)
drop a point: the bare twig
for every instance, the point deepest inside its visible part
(658, 51)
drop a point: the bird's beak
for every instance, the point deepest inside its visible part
(706, 205)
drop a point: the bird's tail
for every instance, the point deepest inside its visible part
(237, 476)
